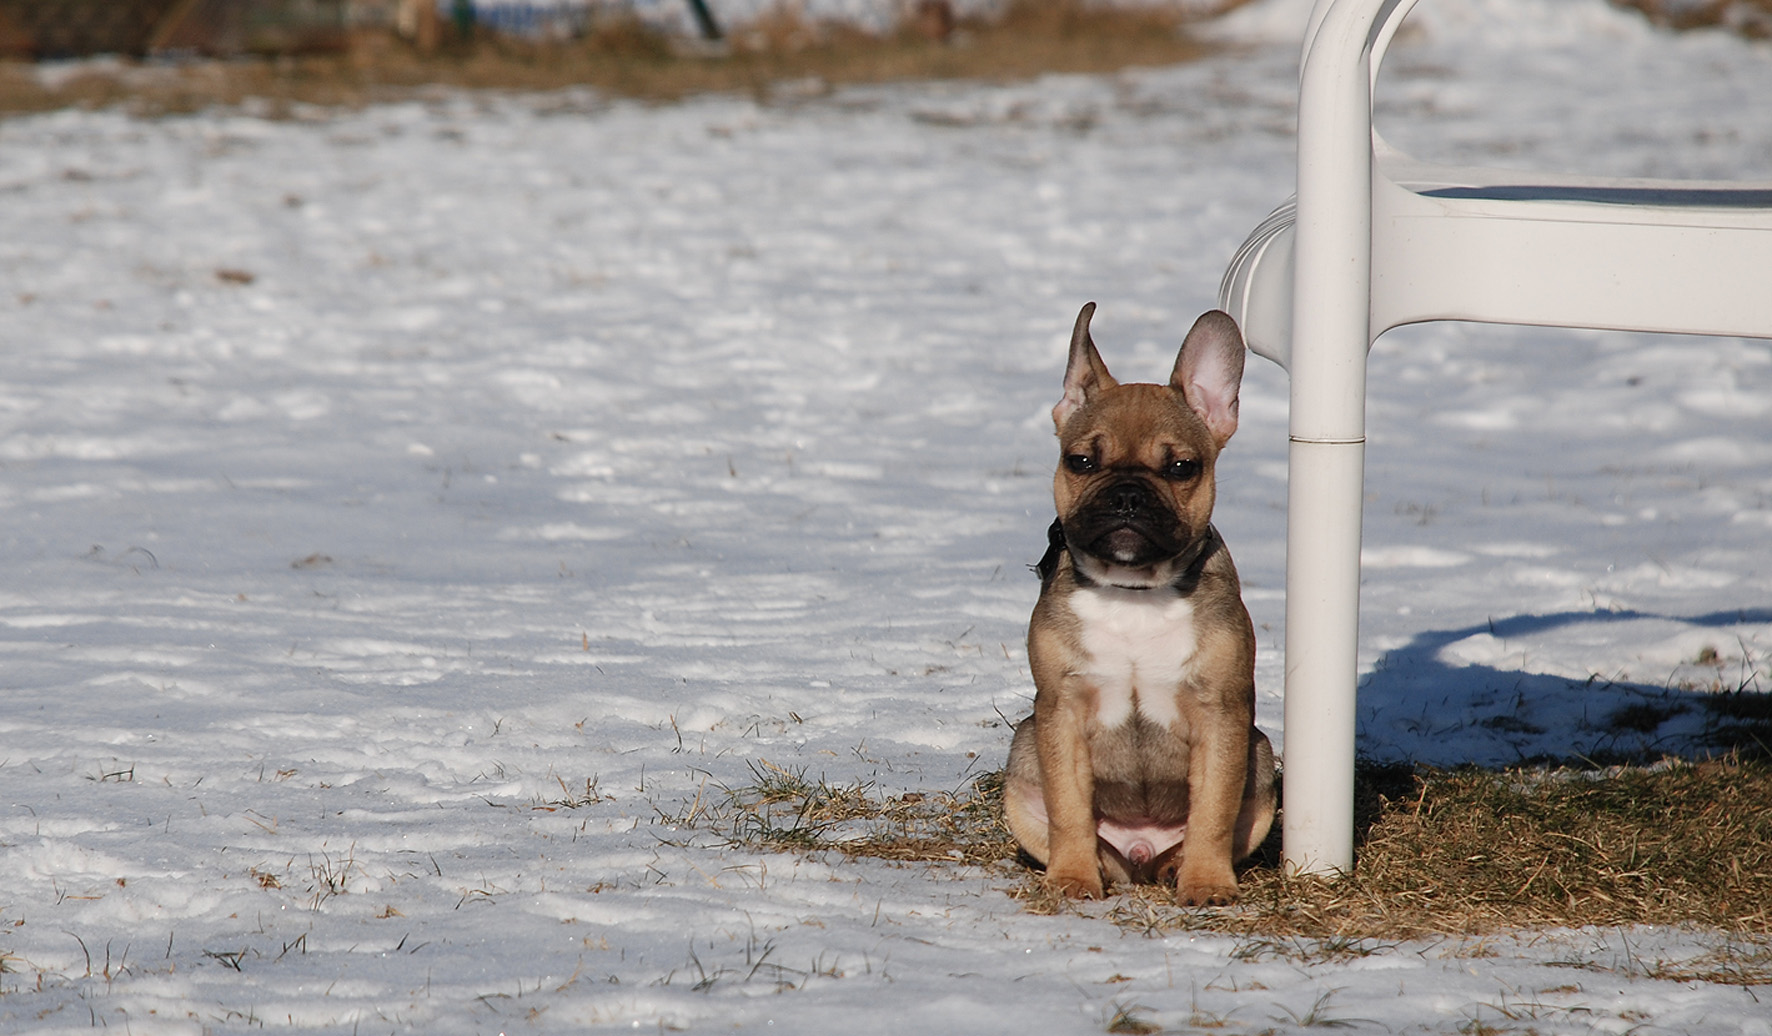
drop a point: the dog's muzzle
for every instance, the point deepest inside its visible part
(1126, 523)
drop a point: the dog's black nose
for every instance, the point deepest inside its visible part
(1127, 499)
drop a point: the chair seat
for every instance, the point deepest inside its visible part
(1501, 246)
(1672, 194)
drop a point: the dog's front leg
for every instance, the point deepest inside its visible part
(1067, 783)
(1218, 766)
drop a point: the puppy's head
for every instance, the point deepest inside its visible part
(1135, 484)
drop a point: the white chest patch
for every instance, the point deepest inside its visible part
(1139, 646)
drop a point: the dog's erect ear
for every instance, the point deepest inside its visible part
(1084, 373)
(1209, 370)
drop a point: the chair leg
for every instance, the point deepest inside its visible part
(1322, 641)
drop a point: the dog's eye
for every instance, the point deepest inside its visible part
(1182, 470)
(1080, 463)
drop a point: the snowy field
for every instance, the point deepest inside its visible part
(376, 483)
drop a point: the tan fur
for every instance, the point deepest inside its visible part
(1112, 748)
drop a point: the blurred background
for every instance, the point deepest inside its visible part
(168, 56)
(141, 28)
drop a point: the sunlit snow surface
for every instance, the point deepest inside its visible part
(370, 478)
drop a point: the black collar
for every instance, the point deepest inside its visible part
(1184, 583)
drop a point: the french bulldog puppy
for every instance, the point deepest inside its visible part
(1141, 762)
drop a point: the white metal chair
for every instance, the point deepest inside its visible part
(1375, 239)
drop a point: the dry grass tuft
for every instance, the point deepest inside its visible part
(624, 57)
(1125, 1020)
(784, 810)
(1467, 852)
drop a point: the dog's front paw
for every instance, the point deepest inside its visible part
(1206, 883)
(1075, 885)
(1206, 894)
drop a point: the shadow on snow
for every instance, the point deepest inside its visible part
(1420, 706)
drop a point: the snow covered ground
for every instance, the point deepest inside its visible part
(371, 479)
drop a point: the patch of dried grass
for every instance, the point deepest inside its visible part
(1464, 853)
(785, 810)
(1474, 852)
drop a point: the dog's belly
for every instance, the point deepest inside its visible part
(1141, 778)
(1139, 647)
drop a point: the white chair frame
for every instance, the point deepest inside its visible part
(1374, 240)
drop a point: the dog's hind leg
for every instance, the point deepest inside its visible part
(1024, 806)
(1256, 814)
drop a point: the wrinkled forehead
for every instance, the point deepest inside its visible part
(1130, 417)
